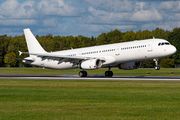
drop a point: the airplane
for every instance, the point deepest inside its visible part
(126, 55)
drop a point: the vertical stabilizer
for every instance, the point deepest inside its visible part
(32, 43)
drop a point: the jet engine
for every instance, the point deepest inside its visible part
(130, 65)
(91, 64)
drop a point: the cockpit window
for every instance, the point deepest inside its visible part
(164, 43)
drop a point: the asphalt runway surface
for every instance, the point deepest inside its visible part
(91, 77)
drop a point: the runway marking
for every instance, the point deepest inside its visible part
(96, 77)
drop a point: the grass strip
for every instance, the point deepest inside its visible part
(91, 100)
(137, 72)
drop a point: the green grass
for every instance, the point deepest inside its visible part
(137, 72)
(91, 100)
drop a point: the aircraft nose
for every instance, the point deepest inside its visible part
(173, 50)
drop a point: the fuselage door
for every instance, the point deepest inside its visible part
(149, 46)
(79, 53)
(117, 51)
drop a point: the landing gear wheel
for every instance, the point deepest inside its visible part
(157, 68)
(83, 74)
(108, 73)
(156, 63)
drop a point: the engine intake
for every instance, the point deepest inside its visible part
(130, 65)
(91, 64)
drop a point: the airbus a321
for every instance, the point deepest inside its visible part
(126, 55)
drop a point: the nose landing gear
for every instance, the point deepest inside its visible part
(156, 63)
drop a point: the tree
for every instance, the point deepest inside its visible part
(167, 63)
(75, 42)
(114, 36)
(160, 33)
(10, 62)
(4, 42)
(86, 42)
(174, 38)
(102, 39)
(129, 36)
(147, 64)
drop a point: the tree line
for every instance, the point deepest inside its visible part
(9, 46)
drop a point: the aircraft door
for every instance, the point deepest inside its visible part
(149, 46)
(79, 53)
(117, 51)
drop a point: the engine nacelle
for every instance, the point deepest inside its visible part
(91, 64)
(130, 65)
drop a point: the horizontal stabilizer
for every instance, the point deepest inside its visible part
(28, 58)
(14, 58)
(20, 53)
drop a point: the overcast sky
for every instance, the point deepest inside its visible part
(86, 17)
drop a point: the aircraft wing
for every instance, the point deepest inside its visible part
(61, 58)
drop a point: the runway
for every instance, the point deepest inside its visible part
(92, 77)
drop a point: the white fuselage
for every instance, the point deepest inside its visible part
(113, 54)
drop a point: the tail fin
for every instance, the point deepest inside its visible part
(32, 43)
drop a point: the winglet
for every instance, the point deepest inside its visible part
(20, 53)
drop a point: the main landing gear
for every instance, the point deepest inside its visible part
(109, 73)
(156, 63)
(83, 73)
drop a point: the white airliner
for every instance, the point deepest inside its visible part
(126, 55)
